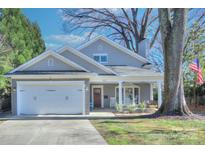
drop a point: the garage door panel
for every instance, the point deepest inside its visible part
(51, 99)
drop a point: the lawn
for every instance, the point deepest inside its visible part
(151, 131)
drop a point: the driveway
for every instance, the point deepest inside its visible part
(49, 132)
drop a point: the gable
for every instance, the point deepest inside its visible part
(40, 63)
(57, 65)
(105, 46)
(84, 61)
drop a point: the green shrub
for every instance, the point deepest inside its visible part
(141, 106)
(119, 107)
(131, 108)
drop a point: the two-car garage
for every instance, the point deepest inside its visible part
(50, 97)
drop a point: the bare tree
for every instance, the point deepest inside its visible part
(127, 26)
(173, 36)
(195, 17)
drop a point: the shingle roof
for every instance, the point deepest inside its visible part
(133, 71)
(44, 72)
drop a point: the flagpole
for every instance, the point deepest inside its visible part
(194, 91)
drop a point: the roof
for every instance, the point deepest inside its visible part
(134, 71)
(46, 54)
(116, 45)
(44, 72)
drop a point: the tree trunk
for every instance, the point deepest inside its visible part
(172, 34)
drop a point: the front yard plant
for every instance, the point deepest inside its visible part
(141, 106)
(119, 107)
(131, 108)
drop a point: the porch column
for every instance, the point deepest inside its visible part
(159, 87)
(120, 92)
(151, 92)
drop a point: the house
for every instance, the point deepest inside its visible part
(99, 73)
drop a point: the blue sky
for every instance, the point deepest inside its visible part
(50, 23)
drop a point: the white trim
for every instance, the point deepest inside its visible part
(44, 55)
(101, 54)
(19, 83)
(85, 57)
(151, 92)
(84, 104)
(120, 89)
(18, 98)
(102, 94)
(50, 82)
(130, 86)
(116, 45)
(93, 77)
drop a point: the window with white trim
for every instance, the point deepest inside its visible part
(50, 62)
(130, 94)
(101, 58)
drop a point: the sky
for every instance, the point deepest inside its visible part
(50, 23)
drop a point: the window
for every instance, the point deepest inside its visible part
(101, 58)
(130, 94)
(50, 62)
(97, 58)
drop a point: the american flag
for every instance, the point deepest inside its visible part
(195, 67)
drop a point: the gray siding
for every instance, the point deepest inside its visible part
(144, 92)
(14, 93)
(115, 57)
(82, 62)
(109, 91)
(43, 65)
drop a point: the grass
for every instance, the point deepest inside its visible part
(151, 131)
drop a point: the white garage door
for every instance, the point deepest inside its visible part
(50, 97)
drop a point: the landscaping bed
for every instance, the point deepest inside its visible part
(151, 131)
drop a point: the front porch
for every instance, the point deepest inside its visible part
(107, 95)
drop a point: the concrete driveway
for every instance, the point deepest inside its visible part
(42, 132)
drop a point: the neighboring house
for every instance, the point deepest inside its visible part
(69, 81)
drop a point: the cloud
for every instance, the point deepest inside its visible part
(71, 39)
(67, 38)
(52, 45)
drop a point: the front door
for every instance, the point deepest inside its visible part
(97, 97)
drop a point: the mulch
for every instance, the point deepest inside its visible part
(197, 109)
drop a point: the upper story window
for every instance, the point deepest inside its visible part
(50, 62)
(101, 58)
